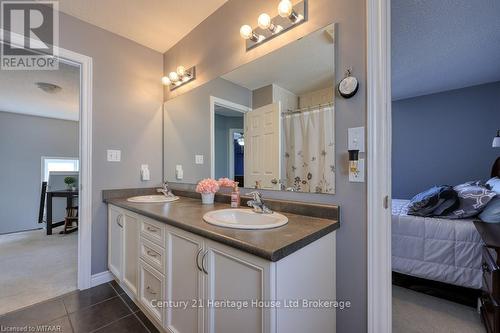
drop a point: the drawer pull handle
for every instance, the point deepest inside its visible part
(150, 290)
(151, 254)
(151, 229)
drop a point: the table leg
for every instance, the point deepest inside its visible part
(49, 213)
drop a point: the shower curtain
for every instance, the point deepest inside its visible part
(309, 151)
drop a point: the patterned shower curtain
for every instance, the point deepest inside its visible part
(309, 151)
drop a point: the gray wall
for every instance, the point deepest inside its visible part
(424, 155)
(216, 47)
(23, 141)
(187, 125)
(127, 115)
(222, 126)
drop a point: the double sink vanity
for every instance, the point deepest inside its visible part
(189, 275)
(268, 125)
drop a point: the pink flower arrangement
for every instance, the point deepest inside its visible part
(207, 185)
(226, 182)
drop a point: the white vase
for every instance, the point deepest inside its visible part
(207, 198)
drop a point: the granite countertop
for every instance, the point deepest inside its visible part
(271, 244)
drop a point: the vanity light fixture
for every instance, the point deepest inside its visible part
(181, 76)
(289, 16)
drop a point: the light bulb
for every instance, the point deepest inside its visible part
(246, 31)
(166, 81)
(173, 76)
(264, 21)
(181, 71)
(285, 8)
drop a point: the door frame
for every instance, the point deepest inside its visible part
(379, 298)
(231, 151)
(229, 105)
(84, 275)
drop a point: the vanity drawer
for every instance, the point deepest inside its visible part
(491, 274)
(153, 254)
(151, 290)
(154, 231)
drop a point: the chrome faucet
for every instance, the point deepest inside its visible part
(258, 204)
(165, 190)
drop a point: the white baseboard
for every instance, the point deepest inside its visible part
(101, 278)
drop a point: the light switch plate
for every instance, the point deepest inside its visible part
(198, 159)
(360, 176)
(114, 155)
(356, 139)
(179, 173)
(145, 173)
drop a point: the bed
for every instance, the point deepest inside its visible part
(436, 249)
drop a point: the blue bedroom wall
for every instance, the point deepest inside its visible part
(444, 138)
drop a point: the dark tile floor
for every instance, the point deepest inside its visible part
(104, 308)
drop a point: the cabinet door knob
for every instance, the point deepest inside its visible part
(203, 262)
(198, 259)
(151, 229)
(151, 253)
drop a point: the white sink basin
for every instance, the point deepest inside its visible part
(244, 219)
(152, 199)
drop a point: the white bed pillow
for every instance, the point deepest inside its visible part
(494, 183)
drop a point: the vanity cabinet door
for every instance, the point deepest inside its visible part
(184, 282)
(115, 241)
(232, 275)
(130, 251)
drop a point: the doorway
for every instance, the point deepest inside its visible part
(227, 140)
(83, 66)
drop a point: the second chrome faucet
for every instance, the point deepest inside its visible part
(257, 203)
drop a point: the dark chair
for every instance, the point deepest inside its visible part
(71, 217)
(43, 195)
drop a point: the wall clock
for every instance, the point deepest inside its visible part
(349, 85)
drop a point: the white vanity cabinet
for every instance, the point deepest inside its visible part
(234, 275)
(115, 241)
(209, 287)
(123, 246)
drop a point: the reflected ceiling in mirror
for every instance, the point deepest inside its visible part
(268, 124)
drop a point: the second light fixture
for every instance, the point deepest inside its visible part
(288, 17)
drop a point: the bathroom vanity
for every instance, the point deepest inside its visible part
(190, 276)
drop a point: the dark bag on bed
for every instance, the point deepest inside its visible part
(437, 200)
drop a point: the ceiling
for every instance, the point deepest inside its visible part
(299, 67)
(19, 94)
(157, 24)
(440, 45)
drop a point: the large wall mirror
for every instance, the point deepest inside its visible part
(269, 124)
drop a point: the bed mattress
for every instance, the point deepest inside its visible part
(437, 249)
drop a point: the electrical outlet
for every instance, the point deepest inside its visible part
(198, 159)
(358, 177)
(114, 155)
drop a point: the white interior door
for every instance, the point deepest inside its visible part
(263, 147)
